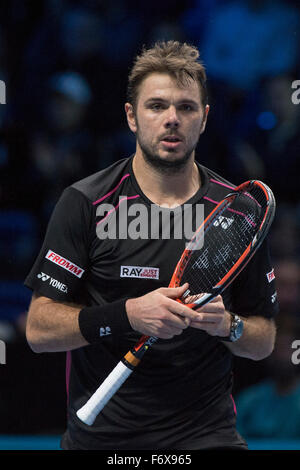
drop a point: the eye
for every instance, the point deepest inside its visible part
(186, 107)
(156, 106)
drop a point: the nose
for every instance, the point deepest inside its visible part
(172, 120)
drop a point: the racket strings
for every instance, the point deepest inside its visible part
(224, 242)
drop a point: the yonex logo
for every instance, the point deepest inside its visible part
(53, 282)
(44, 277)
(274, 297)
(225, 222)
(105, 331)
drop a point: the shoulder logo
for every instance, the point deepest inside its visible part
(143, 272)
(274, 297)
(270, 275)
(64, 263)
(105, 331)
(53, 282)
(44, 277)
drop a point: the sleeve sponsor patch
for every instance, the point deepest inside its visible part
(270, 275)
(64, 263)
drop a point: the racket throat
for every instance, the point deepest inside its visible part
(202, 300)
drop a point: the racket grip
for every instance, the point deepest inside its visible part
(88, 413)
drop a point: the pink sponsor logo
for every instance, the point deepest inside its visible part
(64, 263)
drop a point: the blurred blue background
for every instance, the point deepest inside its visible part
(65, 65)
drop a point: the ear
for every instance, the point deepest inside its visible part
(204, 121)
(130, 114)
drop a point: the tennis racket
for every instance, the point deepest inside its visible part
(219, 250)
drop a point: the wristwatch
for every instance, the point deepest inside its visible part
(236, 329)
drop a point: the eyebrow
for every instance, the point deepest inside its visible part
(162, 100)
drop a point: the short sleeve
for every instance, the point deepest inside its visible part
(61, 266)
(254, 291)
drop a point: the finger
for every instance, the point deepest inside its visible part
(217, 308)
(218, 298)
(182, 310)
(174, 292)
(168, 333)
(202, 326)
(178, 321)
(211, 318)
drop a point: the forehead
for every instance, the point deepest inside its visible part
(162, 85)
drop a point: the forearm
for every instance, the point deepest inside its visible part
(257, 340)
(53, 326)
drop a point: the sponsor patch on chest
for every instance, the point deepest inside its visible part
(143, 272)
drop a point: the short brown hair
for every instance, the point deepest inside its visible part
(180, 60)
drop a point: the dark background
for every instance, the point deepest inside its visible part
(65, 65)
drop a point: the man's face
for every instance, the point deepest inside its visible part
(168, 120)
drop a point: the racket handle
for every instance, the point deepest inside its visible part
(88, 413)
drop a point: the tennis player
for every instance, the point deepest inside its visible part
(93, 296)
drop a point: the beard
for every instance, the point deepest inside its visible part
(164, 165)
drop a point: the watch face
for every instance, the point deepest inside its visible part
(239, 328)
(236, 328)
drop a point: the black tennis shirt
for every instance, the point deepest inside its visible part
(179, 397)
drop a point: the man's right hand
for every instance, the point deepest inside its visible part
(159, 314)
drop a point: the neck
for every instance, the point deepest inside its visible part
(167, 188)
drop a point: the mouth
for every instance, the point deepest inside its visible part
(171, 141)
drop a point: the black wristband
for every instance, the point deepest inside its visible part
(105, 320)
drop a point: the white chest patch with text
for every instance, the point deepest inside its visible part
(139, 272)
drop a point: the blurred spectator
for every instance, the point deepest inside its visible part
(196, 19)
(123, 32)
(271, 408)
(245, 42)
(114, 145)
(80, 34)
(271, 150)
(249, 40)
(95, 39)
(62, 148)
